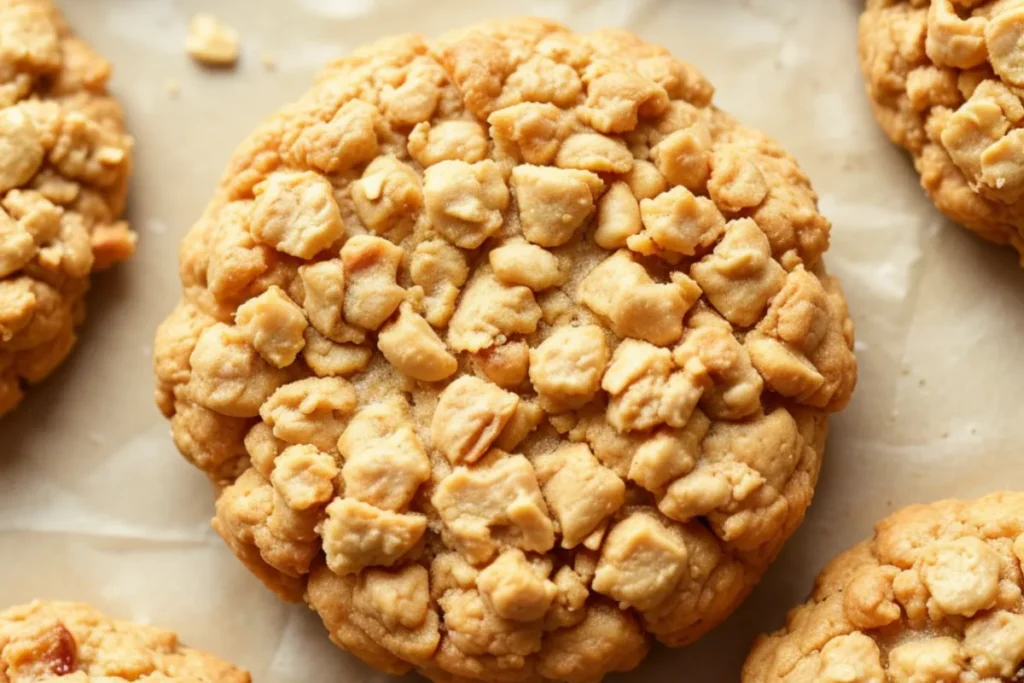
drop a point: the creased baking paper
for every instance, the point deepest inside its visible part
(96, 505)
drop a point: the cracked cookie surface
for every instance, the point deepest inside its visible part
(64, 166)
(945, 79)
(507, 352)
(50, 641)
(934, 597)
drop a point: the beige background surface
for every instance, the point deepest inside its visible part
(96, 505)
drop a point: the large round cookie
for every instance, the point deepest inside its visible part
(50, 641)
(945, 79)
(64, 165)
(508, 351)
(934, 597)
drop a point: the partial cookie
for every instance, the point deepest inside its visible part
(508, 351)
(934, 597)
(64, 165)
(50, 641)
(945, 79)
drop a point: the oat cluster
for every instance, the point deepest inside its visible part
(46, 641)
(945, 78)
(507, 352)
(64, 165)
(934, 597)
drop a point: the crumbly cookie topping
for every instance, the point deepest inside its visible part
(50, 641)
(506, 351)
(64, 165)
(945, 78)
(934, 597)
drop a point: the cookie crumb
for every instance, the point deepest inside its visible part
(268, 62)
(173, 88)
(210, 42)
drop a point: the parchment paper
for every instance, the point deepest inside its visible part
(96, 505)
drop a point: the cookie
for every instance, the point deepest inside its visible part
(507, 352)
(64, 166)
(934, 597)
(945, 79)
(48, 641)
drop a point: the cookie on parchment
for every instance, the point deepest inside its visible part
(64, 165)
(508, 351)
(945, 80)
(51, 641)
(934, 597)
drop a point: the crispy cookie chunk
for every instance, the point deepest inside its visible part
(508, 352)
(934, 597)
(945, 79)
(64, 166)
(50, 641)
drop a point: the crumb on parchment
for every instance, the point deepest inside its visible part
(210, 42)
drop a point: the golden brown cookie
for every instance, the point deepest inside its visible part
(945, 79)
(64, 165)
(934, 597)
(508, 351)
(51, 641)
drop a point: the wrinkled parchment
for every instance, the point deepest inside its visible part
(96, 505)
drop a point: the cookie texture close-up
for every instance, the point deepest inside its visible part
(47, 641)
(64, 166)
(934, 597)
(945, 79)
(508, 352)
